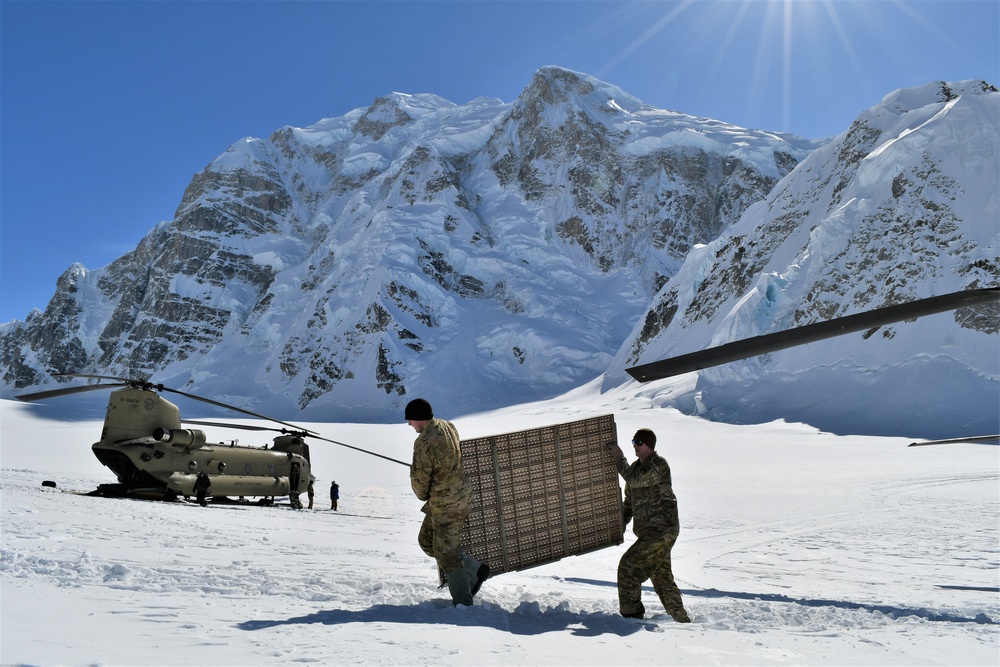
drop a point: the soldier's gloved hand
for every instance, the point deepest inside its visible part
(614, 450)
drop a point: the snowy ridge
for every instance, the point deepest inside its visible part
(490, 253)
(898, 208)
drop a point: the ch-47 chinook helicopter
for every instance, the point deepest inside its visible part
(154, 457)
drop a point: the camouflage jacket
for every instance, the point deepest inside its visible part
(437, 475)
(649, 497)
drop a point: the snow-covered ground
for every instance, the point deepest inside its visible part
(797, 547)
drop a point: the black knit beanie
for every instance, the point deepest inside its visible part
(646, 437)
(419, 410)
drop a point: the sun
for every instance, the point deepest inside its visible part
(770, 56)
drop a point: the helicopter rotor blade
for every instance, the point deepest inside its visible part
(304, 434)
(103, 377)
(160, 387)
(342, 444)
(233, 407)
(984, 439)
(64, 391)
(125, 382)
(297, 430)
(243, 427)
(757, 345)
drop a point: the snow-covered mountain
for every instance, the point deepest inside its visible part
(479, 255)
(901, 206)
(491, 253)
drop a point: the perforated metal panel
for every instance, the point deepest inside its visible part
(542, 494)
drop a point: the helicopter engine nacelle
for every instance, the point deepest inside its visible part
(181, 437)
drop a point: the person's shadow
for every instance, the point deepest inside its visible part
(887, 610)
(527, 619)
(530, 619)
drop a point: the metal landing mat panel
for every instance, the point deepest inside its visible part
(542, 494)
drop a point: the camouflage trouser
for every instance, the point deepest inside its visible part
(440, 535)
(649, 559)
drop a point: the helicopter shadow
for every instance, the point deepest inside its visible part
(534, 622)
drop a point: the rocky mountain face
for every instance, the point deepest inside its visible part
(478, 255)
(493, 253)
(901, 206)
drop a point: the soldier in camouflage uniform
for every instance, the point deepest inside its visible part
(438, 478)
(650, 501)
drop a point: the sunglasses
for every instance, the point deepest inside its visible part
(638, 443)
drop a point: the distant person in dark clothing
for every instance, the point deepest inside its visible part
(293, 486)
(311, 492)
(650, 500)
(334, 495)
(201, 486)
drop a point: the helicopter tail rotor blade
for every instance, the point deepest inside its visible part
(64, 391)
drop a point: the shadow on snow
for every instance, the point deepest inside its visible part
(530, 619)
(527, 619)
(887, 610)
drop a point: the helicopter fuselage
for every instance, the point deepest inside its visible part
(144, 444)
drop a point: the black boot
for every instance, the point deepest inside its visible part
(680, 616)
(477, 572)
(482, 574)
(460, 587)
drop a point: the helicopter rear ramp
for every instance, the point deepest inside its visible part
(542, 494)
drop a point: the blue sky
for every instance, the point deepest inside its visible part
(107, 109)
